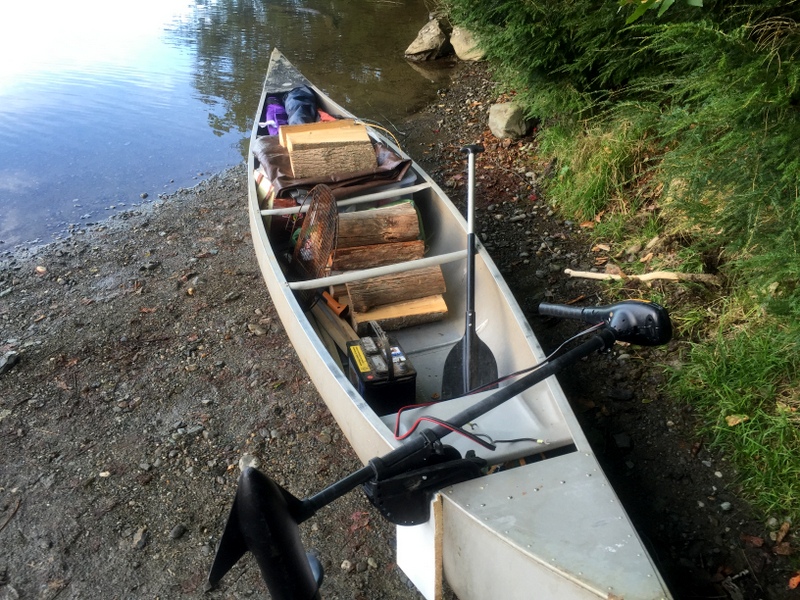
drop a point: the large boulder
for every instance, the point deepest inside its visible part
(465, 45)
(431, 43)
(507, 120)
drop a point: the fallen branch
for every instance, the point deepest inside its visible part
(667, 275)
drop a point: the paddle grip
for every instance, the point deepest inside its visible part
(473, 149)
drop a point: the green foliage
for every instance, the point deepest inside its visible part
(597, 163)
(745, 381)
(640, 7)
(703, 104)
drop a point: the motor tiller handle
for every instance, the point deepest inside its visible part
(633, 321)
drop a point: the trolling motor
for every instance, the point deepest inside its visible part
(632, 321)
(265, 517)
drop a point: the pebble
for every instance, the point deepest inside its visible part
(8, 361)
(248, 460)
(177, 532)
(256, 329)
(346, 566)
(140, 538)
(726, 506)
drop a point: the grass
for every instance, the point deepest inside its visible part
(745, 381)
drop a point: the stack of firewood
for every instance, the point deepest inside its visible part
(379, 237)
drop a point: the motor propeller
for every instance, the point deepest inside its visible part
(264, 520)
(632, 321)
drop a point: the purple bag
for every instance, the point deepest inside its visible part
(276, 115)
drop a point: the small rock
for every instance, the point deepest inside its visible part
(140, 538)
(347, 566)
(8, 361)
(248, 460)
(177, 532)
(256, 329)
(726, 506)
(373, 564)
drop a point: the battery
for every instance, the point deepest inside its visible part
(384, 391)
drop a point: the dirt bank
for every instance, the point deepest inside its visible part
(144, 359)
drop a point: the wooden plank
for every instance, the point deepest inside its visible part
(377, 255)
(400, 314)
(391, 289)
(340, 330)
(286, 130)
(393, 223)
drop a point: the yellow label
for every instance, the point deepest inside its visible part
(361, 360)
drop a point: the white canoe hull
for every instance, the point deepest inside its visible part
(550, 529)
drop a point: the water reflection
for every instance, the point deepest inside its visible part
(101, 103)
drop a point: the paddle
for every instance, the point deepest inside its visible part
(470, 363)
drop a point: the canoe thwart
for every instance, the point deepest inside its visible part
(397, 192)
(350, 276)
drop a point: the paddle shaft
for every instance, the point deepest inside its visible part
(403, 458)
(469, 329)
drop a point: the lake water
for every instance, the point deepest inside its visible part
(102, 103)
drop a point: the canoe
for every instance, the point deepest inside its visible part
(544, 520)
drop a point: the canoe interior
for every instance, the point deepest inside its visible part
(552, 522)
(533, 416)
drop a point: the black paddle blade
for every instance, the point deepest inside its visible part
(261, 521)
(482, 367)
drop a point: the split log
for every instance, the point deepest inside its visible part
(393, 223)
(322, 149)
(706, 278)
(388, 289)
(400, 314)
(377, 255)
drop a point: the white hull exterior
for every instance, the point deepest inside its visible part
(552, 528)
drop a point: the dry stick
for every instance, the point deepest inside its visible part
(668, 275)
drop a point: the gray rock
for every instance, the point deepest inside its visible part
(465, 45)
(430, 43)
(177, 532)
(8, 361)
(248, 460)
(140, 538)
(507, 120)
